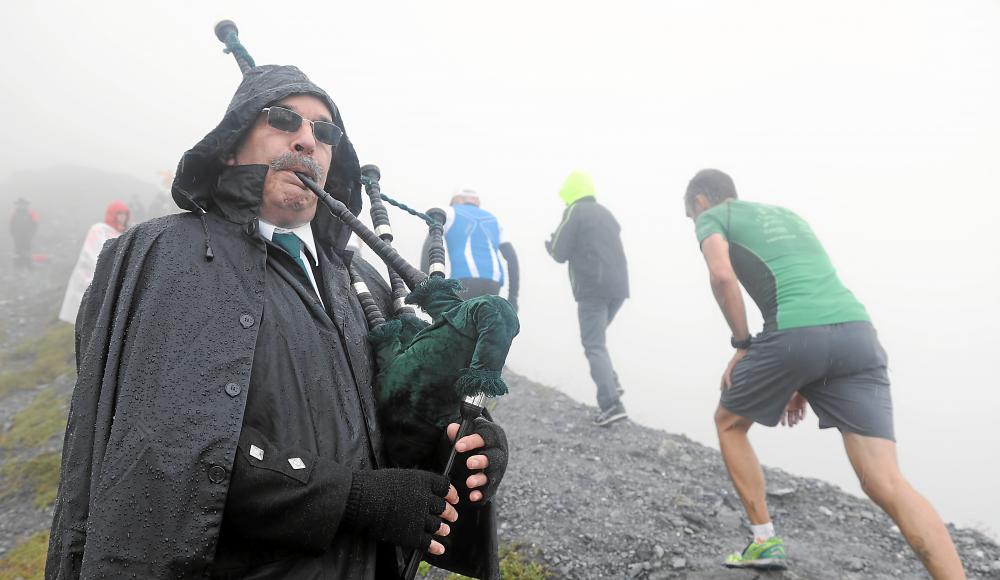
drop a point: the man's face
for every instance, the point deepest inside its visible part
(121, 221)
(692, 209)
(286, 202)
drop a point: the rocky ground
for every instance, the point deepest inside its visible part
(621, 502)
(633, 502)
(29, 302)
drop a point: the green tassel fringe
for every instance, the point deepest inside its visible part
(471, 382)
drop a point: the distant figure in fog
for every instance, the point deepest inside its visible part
(23, 225)
(818, 345)
(589, 239)
(116, 221)
(476, 242)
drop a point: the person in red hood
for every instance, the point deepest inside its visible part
(116, 215)
(116, 218)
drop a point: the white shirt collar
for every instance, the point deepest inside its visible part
(304, 232)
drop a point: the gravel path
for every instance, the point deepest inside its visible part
(29, 299)
(634, 502)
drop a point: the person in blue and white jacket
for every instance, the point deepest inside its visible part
(476, 243)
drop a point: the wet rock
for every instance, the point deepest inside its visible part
(781, 492)
(694, 519)
(854, 564)
(729, 518)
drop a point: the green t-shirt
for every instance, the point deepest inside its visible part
(782, 265)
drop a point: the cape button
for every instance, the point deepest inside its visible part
(251, 227)
(217, 474)
(232, 389)
(246, 321)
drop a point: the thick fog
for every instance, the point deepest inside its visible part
(876, 121)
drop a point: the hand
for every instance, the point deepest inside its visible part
(727, 376)
(402, 507)
(488, 466)
(795, 411)
(449, 514)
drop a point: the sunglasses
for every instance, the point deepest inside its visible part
(289, 121)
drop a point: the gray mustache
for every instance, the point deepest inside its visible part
(289, 160)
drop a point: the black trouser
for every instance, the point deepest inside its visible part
(475, 287)
(22, 252)
(595, 316)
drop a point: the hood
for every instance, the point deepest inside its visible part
(113, 208)
(199, 169)
(576, 187)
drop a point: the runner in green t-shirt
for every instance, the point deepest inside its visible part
(817, 345)
(782, 265)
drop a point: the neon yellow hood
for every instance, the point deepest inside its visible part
(577, 186)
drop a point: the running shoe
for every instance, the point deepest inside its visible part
(610, 415)
(766, 555)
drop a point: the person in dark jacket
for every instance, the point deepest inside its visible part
(589, 238)
(223, 423)
(23, 225)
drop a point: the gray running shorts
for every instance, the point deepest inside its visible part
(839, 368)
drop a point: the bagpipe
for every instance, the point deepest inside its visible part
(429, 374)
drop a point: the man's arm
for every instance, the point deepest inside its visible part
(563, 241)
(725, 285)
(513, 272)
(87, 427)
(306, 505)
(726, 288)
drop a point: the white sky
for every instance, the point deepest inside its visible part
(876, 121)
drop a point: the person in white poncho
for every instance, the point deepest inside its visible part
(116, 218)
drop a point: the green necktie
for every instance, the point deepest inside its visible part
(293, 245)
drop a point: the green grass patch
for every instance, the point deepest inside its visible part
(33, 427)
(40, 474)
(27, 559)
(39, 360)
(56, 338)
(40, 421)
(514, 565)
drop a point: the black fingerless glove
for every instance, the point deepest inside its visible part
(398, 506)
(495, 450)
